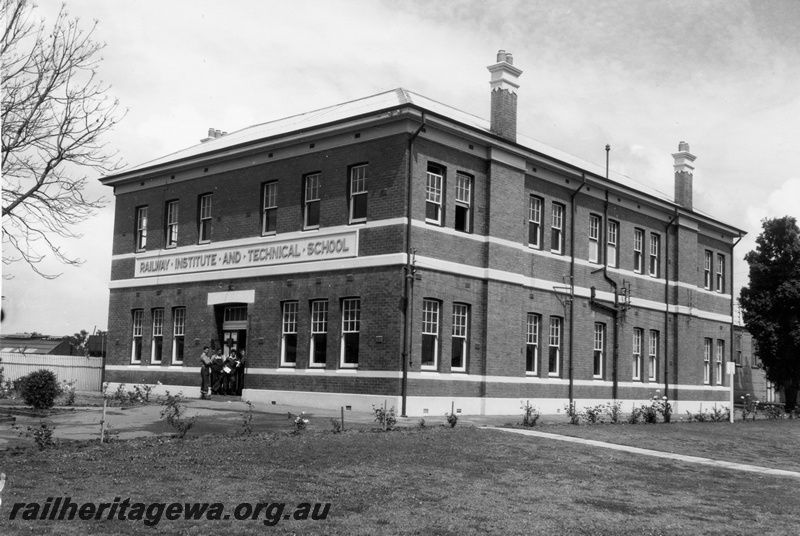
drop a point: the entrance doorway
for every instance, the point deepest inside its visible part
(234, 339)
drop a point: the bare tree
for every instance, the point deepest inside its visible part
(54, 113)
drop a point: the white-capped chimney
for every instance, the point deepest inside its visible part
(504, 84)
(684, 171)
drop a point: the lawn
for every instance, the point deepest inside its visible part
(433, 480)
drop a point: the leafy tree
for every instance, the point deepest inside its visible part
(80, 342)
(54, 113)
(771, 303)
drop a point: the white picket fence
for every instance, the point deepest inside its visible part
(86, 371)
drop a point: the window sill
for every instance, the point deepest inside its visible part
(358, 222)
(347, 369)
(271, 233)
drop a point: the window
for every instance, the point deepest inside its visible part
(311, 207)
(204, 227)
(430, 334)
(178, 334)
(707, 270)
(141, 228)
(637, 353)
(706, 361)
(463, 202)
(136, 348)
(652, 355)
(720, 272)
(655, 245)
(611, 243)
(458, 362)
(351, 326)
(319, 332)
(532, 345)
(433, 195)
(358, 193)
(157, 345)
(289, 334)
(535, 222)
(172, 224)
(557, 231)
(638, 244)
(269, 215)
(718, 363)
(554, 346)
(594, 238)
(599, 348)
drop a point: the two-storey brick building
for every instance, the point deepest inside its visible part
(395, 248)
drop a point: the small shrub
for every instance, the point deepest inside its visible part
(572, 414)
(247, 419)
(594, 414)
(121, 395)
(530, 414)
(720, 414)
(636, 415)
(773, 411)
(452, 419)
(39, 389)
(749, 407)
(649, 413)
(174, 412)
(299, 423)
(68, 390)
(387, 417)
(612, 409)
(337, 425)
(42, 435)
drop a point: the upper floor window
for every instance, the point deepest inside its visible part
(433, 195)
(136, 346)
(430, 334)
(463, 202)
(707, 260)
(655, 246)
(638, 251)
(351, 327)
(720, 272)
(269, 214)
(594, 238)
(557, 229)
(611, 243)
(204, 226)
(319, 332)
(157, 350)
(178, 334)
(358, 193)
(311, 208)
(459, 342)
(172, 224)
(535, 222)
(532, 344)
(599, 349)
(141, 228)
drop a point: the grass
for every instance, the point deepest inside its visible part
(432, 480)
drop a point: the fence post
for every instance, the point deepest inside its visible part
(103, 420)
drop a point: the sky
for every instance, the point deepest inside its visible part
(722, 75)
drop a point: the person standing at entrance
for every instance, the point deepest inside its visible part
(217, 362)
(205, 374)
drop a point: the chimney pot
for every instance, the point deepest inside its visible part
(211, 132)
(217, 133)
(504, 84)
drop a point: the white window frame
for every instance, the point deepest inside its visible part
(172, 224)
(598, 355)
(289, 315)
(463, 201)
(535, 221)
(178, 333)
(158, 336)
(594, 238)
(434, 183)
(141, 228)
(707, 267)
(204, 224)
(612, 239)
(638, 335)
(351, 324)
(655, 245)
(270, 194)
(358, 189)
(554, 346)
(638, 253)
(652, 355)
(460, 337)
(532, 330)
(138, 318)
(720, 273)
(719, 359)
(311, 186)
(319, 326)
(557, 229)
(430, 327)
(707, 361)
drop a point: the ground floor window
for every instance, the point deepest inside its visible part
(178, 334)
(289, 334)
(653, 356)
(458, 362)
(532, 344)
(637, 354)
(706, 361)
(599, 349)
(136, 346)
(351, 327)
(718, 363)
(554, 358)
(430, 334)
(319, 332)
(157, 350)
